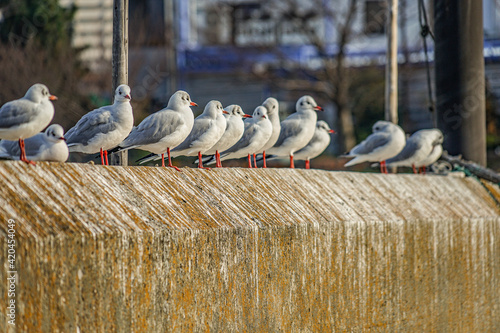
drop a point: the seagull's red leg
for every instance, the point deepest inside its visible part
(384, 167)
(218, 163)
(292, 166)
(254, 161)
(308, 164)
(264, 159)
(249, 161)
(102, 157)
(106, 157)
(414, 169)
(200, 162)
(23, 153)
(170, 161)
(163, 160)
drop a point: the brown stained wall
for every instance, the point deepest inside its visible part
(142, 249)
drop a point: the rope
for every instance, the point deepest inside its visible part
(470, 174)
(425, 31)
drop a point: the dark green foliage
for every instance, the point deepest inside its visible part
(41, 22)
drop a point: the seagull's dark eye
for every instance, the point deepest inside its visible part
(274, 106)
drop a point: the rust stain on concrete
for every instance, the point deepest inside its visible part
(146, 249)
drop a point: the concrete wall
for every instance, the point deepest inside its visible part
(143, 249)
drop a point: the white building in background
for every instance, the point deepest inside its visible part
(93, 30)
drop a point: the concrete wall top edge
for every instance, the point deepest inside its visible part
(60, 199)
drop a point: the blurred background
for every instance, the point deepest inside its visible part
(238, 52)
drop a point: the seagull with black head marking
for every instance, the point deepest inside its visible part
(297, 129)
(163, 130)
(208, 128)
(103, 128)
(317, 145)
(257, 133)
(27, 116)
(234, 131)
(386, 141)
(422, 148)
(273, 112)
(47, 146)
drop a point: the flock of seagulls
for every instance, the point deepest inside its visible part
(218, 134)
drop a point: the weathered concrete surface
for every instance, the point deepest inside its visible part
(151, 250)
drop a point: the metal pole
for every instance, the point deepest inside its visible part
(171, 43)
(120, 60)
(460, 82)
(391, 68)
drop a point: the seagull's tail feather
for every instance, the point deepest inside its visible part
(147, 158)
(260, 157)
(354, 161)
(204, 159)
(209, 159)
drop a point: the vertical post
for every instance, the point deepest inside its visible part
(391, 68)
(171, 44)
(459, 66)
(120, 60)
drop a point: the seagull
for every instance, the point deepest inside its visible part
(422, 148)
(164, 129)
(234, 131)
(208, 128)
(297, 129)
(47, 146)
(27, 116)
(431, 159)
(256, 134)
(386, 141)
(103, 128)
(272, 106)
(317, 145)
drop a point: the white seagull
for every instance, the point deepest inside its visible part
(164, 129)
(103, 128)
(27, 116)
(297, 129)
(234, 131)
(317, 145)
(257, 133)
(386, 141)
(47, 146)
(208, 128)
(422, 148)
(273, 112)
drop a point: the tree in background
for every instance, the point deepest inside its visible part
(331, 77)
(35, 37)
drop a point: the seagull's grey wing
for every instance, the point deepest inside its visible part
(371, 143)
(32, 146)
(201, 125)
(154, 128)
(244, 141)
(93, 123)
(9, 148)
(411, 147)
(289, 127)
(17, 112)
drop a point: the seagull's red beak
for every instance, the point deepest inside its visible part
(53, 98)
(318, 108)
(193, 104)
(247, 116)
(62, 138)
(225, 112)
(128, 97)
(331, 131)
